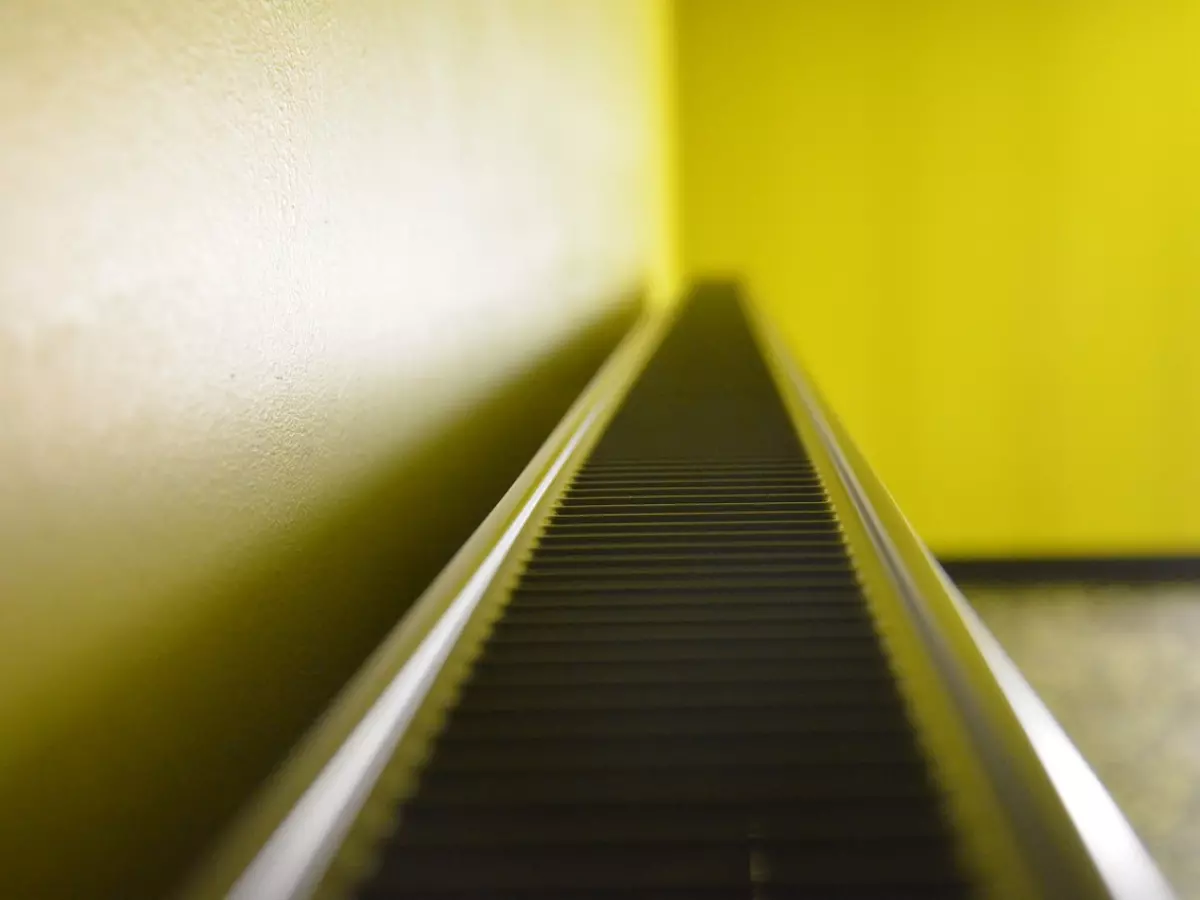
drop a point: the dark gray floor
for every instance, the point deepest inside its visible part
(1120, 669)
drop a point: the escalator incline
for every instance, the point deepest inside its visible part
(686, 695)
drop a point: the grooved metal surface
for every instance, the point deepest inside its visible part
(685, 696)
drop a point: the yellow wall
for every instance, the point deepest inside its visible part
(979, 223)
(289, 292)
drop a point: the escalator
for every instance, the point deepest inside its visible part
(698, 666)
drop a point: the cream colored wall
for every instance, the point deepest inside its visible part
(979, 224)
(266, 268)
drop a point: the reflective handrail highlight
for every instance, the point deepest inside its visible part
(293, 860)
(1110, 860)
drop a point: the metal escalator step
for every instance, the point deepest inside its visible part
(812, 673)
(716, 538)
(685, 695)
(793, 526)
(817, 604)
(707, 463)
(675, 579)
(634, 865)
(691, 506)
(951, 891)
(586, 498)
(725, 514)
(843, 631)
(668, 570)
(675, 696)
(785, 556)
(724, 535)
(532, 823)
(795, 720)
(683, 786)
(753, 609)
(676, 651)
(770, 891)
(609, 481)
(693, 586)
(582, 754)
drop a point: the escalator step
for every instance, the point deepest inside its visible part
(738, 695)
(756, 537)
(794, 719)
(863, 651)
(893, 822)
(805, 673)
(662, 865)
(750, 610)
(580, 754)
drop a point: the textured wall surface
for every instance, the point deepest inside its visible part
(288, 293)
(979, 223)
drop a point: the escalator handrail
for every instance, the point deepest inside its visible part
(354, 741)
(1108, 859)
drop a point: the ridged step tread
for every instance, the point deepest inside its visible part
(685, 694)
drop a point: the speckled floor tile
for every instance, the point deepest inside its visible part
(1120, 669)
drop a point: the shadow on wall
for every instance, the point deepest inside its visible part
(123, 799)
